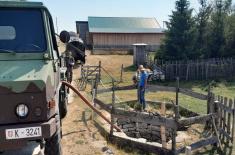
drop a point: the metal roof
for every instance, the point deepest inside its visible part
(123, 25)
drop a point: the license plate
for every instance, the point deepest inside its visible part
(21, 133)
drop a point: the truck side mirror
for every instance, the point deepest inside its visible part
(64, 36)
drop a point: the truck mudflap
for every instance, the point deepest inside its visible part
(17, 136)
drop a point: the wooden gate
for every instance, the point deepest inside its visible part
(89, 73)
(226, 119)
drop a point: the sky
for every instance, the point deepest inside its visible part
(66, 12)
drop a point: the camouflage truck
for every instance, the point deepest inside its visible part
(33, 100)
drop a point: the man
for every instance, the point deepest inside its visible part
(69, 61)
(142, 85)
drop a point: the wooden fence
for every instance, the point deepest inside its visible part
(196, 69)
(220, 117)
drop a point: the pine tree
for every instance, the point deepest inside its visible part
(230, 34)
(201, 43)
(179, 38)
(217, 42)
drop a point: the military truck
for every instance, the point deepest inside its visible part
(33, 100)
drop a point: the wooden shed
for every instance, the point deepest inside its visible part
(109, 34)
(139, 54)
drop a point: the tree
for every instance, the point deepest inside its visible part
(201, 43)
(217, 27)
(230, 34)
(178, 42)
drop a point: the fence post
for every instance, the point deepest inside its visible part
(209, 100)
(233, 121)
(163, 128)
(121, 79)
(113, 109)
(93, 101)
(177, 97)
(99, 70)
(176, 110)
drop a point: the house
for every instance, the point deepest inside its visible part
(118, 34)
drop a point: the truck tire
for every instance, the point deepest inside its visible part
(53, 145)
(63, 104)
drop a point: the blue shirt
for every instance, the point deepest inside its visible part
(143, 77)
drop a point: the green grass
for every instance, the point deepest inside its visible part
(218, 87)
(223, 88)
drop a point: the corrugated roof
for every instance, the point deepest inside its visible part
(123, 25)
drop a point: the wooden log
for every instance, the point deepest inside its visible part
(163, 129)
(195, 120)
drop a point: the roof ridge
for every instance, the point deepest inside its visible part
(120, 17)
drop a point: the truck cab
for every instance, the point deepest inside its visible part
(31, 70)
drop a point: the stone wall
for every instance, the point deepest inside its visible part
(142, 130)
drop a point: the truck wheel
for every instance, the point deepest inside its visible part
(53, 145)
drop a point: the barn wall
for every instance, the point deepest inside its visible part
(124, 41)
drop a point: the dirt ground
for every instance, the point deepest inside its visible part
(80, 136)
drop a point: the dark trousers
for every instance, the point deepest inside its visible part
(141, 98)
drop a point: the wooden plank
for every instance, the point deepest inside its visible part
(221, 99)
(229, 125)
(233, 122)
(225, 117)
(193, 94)
(199, 144)
(195, 120)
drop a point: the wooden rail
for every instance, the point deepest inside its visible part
(199, 144)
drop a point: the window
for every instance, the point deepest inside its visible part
(22, 31)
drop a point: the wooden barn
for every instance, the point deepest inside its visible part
(117, 34)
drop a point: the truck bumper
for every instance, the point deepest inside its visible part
(48, 129)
